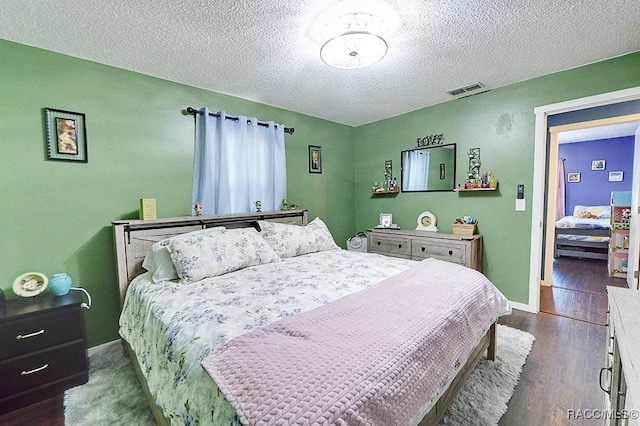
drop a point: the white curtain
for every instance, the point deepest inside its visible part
(560, 195)
(415, 170)
(237, 163)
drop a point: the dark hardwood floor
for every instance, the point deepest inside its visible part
(579, 289)
(45, 413)
(560, 374)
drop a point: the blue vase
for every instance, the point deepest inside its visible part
(59, 284)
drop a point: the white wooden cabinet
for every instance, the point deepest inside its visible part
(620, 378)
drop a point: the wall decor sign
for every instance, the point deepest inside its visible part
(315, 159)
(430, 140)
(597, 165)
(66, 135)
(616, 176)
(573, 177)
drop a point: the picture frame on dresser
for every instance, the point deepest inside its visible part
(66, 136)
(386, 219)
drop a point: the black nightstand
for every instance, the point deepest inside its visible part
(42, 349)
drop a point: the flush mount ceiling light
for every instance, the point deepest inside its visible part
(354, 42)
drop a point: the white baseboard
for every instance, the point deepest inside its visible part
(522, 307)
(102, 347)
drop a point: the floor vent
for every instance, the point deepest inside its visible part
(466, 89)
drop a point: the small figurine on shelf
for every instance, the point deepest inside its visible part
(258, 206)
(285, 204)
(198, 209)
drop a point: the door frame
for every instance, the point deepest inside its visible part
(552, 186)
(538, 190)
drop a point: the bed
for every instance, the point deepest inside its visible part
(175, 328)
(584, 234)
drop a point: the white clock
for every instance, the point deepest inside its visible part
(427, 222)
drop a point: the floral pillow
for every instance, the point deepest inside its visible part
(585, 214)
(208, 253)
(158, 261)
(295, 240)
(592, 212)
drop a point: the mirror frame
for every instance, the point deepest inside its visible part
(453, 186)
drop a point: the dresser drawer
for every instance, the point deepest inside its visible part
(391, 246)
(42, 367)
(34, 332)
(450, 251)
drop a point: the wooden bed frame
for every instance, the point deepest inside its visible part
(133, 238)
(584, 249)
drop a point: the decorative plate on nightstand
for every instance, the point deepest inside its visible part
(30, 284)
(427, 222)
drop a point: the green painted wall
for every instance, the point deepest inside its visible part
(56, 216)
(501, 123)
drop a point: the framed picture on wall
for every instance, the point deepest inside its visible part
(616, 176)
(66, 135)
(573, 177)
(597, 165)
(315, 159)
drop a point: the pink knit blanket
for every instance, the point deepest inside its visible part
(376, 357)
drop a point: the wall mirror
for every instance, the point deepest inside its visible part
(428, 169)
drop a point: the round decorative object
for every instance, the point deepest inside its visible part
(59, 284)
(427, 222)
(30, 284)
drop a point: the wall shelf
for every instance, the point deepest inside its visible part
(395, 191)
(475, 189)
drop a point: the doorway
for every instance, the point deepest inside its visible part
(540, 244)
(576, 267)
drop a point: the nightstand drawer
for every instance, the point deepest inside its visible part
(43, 330)
(449, 251)
(33, 370)
(394, 246)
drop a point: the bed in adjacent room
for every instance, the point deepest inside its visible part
(584, 234)
(231, 326)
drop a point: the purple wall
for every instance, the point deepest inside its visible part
(594, 188)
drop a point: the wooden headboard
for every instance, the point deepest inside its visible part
(133, 238)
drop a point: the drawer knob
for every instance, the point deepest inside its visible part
(424, 248)
(378, 242)
(450, 252)
(35, 370)
(399, 245)
(26, 336)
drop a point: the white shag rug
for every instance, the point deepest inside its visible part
(113, 396)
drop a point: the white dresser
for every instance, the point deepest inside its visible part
(620, 378)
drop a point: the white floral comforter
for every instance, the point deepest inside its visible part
(172, 326)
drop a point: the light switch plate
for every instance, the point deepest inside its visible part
(521, 205)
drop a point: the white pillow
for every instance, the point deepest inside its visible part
(295, 240)
(158, 261)
(207, 254)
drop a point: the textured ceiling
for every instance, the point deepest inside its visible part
(268, 50)
(596, 133)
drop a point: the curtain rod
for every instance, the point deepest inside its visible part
(194, 111)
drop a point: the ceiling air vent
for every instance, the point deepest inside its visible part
(466, 89)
